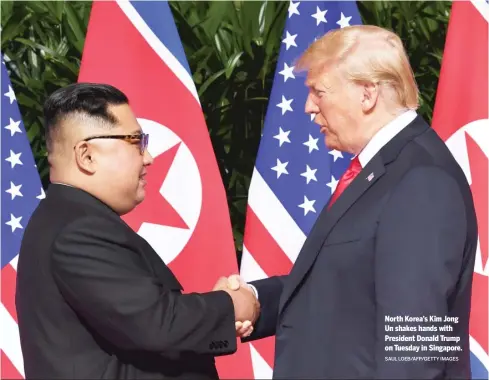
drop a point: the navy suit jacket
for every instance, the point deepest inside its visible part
(400, 244)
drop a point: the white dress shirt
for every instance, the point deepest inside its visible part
(384, 135)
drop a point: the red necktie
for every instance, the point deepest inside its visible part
(347, 177)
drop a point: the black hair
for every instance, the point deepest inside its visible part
(90, 99)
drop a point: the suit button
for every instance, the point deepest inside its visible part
(226, 343)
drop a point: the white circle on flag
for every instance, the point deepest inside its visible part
(182, 188)
(478, 130)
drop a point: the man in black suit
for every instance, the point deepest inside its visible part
(397, 240)
(94, 300)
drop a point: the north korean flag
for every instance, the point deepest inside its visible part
(135, 46)
(461, 119)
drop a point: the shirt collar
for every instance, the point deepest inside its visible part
(384, 135)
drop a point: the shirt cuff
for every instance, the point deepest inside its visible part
(253, 289)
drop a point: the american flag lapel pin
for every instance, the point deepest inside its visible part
(370, 177)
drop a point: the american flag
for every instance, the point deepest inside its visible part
(21, 193)
(295, 174)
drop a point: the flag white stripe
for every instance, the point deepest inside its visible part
(478, 351)
(275, 217)
(14, 262)
(159, 48)
(10, 340)
(260, 367)
(478, 267)
(250, 270)
(482, 7)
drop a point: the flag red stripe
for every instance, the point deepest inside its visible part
(8, 369)
(273, 260)
(266, 348)
(263, 247)
(9, 279)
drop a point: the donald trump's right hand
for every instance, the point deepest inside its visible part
(246, 305)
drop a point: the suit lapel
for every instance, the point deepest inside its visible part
(325, 223)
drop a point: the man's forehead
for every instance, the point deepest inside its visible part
(120, 111)
(126, 120)
(311, 78)
(317, 78)
(129, 128)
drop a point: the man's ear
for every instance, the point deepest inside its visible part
(84, 157)
(370, 96)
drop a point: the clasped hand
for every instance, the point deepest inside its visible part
(246, 306)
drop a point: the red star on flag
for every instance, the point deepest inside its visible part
(155, 208)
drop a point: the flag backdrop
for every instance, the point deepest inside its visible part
(295, 174)
(141, 53)
(135, 46)
(21, 193)
(461, 118)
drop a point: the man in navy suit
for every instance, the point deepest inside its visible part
(395, 244)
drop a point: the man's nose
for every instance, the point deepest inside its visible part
(311, 106)
(147, 158)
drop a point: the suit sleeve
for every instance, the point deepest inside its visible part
(418, 259)
(269, 292)
(105, 281)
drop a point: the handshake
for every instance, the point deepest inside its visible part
(246, 305)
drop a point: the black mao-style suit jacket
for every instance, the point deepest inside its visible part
(94, 300)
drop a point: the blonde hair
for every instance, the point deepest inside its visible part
(365, 53)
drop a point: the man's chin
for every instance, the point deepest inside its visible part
(140, 196)
(330, 142)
